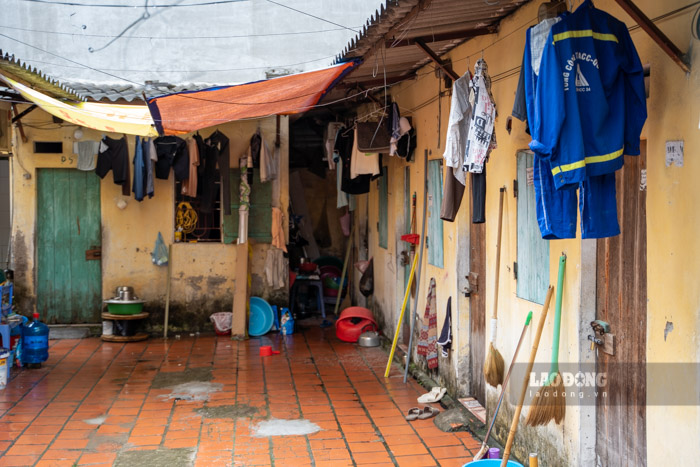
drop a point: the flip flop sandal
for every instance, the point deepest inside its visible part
(434, 395)
(428, 412)
(413, 413)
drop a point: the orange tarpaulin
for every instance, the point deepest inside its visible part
(190, 111)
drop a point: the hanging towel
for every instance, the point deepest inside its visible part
(269, 162)
(363, 163)
(427, 341)
(275, 268)
(189, 186)
(278, 229)
(445, 340)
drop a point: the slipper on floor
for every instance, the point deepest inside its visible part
(428, 412)
(434, 395)
(413, 413)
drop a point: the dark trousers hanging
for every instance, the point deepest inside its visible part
(478, 182)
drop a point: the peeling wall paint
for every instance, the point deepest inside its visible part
(202, 273)
(672, 253)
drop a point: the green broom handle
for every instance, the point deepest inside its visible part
(554, 369)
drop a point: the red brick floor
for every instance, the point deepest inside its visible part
(47, 416)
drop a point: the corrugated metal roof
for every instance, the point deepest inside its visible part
(131, 92)
(387, 41)
(35, 78)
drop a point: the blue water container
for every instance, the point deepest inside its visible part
(35, 342)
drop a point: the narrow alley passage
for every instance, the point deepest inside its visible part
(200, 400)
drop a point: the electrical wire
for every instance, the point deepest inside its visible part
(232, 36)
(118, 5)
(310, 15)
(187, 71)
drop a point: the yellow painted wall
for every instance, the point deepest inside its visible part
(202, 275)
(672, 226)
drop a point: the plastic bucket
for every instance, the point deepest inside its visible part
(4, 367)
(491, 463)
(265, 350)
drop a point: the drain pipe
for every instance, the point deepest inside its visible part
(420, 265)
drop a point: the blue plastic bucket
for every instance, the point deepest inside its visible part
(491, 463)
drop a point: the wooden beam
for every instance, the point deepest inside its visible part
(448, 36)
(655, 33)
(428, 51)
(420, 6)
(15, 112)
(17, 118)
(376, 81)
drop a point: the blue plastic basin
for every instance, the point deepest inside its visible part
(491, 463)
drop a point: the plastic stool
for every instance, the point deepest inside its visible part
(308, 283)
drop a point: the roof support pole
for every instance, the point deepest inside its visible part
(655, 33)
(17, 118)
(428, 51)
(19, 122)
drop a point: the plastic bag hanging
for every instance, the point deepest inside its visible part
(159, 256)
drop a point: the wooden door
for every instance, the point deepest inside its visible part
(622, 302)
(477, 308)
(69, 286)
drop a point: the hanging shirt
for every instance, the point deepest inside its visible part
(591, 104)
(139, 171)
(269, 162)
(87, 154)
(172, 152)
(343, 148)
(150, 157)
(189, 186)
(482, 136)
(394, 127)
(114, 156)
(458, 126)
(217, 147)
(278, 229)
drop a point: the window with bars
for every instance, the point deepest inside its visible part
(208, 227)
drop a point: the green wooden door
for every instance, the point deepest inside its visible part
(69, 287)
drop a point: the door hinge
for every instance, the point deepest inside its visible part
(515, 270)
(515, 188)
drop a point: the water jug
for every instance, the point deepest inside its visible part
(35, 343)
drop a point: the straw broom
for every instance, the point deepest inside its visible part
(523, 391)
(494, 365)
(549, 403)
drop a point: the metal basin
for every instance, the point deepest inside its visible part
(368, 339)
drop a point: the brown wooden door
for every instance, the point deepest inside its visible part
(622, 302)
(477, 310)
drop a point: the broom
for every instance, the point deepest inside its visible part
(549, 403)
(484, 446)
(523, 391)
(494, 364)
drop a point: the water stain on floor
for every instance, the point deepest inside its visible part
(280, 427)
(156, 458)
(228, 411)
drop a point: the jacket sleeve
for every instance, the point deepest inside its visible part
(635, 94)
(548, 109)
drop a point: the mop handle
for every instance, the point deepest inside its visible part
(505, 381)
(523, 392)
(554, 369)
